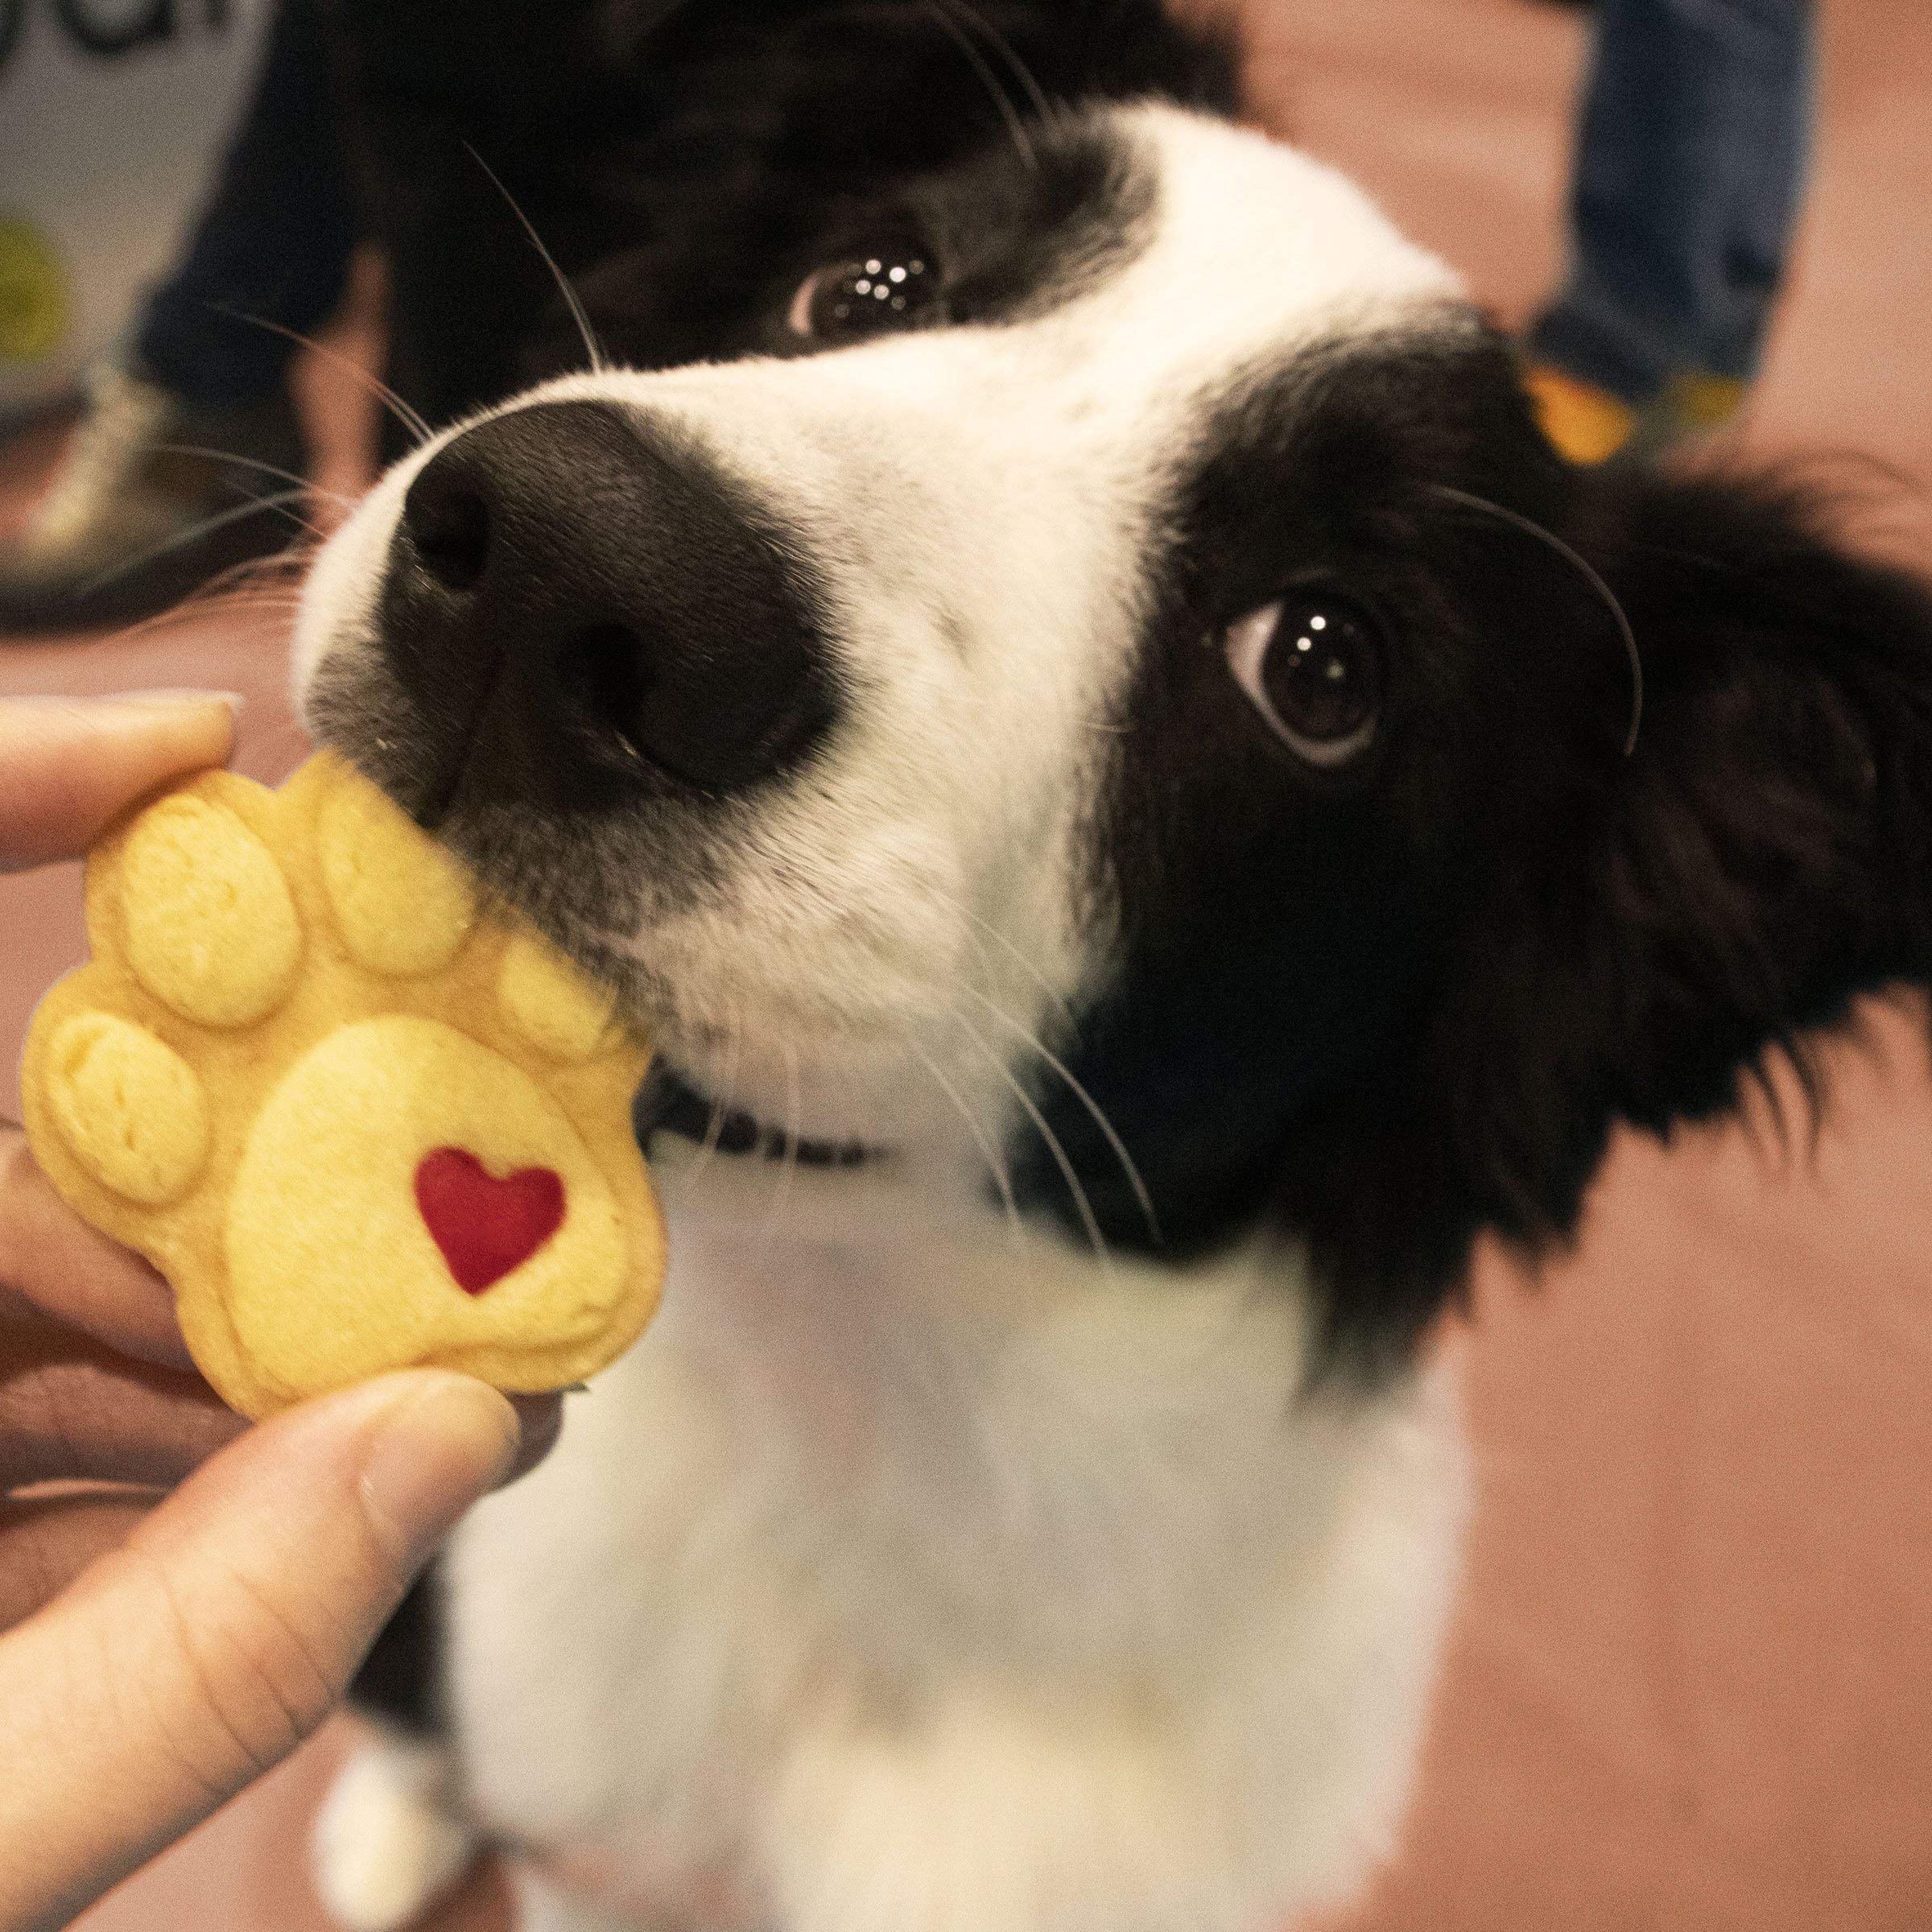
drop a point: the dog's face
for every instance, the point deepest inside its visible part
(1101, 710)
(863, 705)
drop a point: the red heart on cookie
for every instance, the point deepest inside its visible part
(484, 1226)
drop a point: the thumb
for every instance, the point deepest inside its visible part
(183, 1665)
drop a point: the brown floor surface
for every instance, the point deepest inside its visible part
(1691, 1686)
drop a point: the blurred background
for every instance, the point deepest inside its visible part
(114, 112)
(1691, 1685)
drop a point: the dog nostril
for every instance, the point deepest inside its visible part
(606, 669)
(450, 529)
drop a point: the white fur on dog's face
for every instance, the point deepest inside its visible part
(979, 503)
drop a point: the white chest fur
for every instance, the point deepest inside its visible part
(937, 1585)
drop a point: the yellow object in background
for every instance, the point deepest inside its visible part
(1589, 425)
(1586, 424)
(33, 299)
(1695, 401)
(359, 1124)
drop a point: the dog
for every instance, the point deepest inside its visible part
(1144, 809)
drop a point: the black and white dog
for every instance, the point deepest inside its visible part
(1144, 808)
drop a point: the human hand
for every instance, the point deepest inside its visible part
(165, 1641)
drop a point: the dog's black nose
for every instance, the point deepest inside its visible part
(578, 604)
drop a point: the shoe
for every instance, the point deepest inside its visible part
(134, 518)
(1693, 403)
(1586, 424)
(1590, 425)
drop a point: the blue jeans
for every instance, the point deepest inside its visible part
(272, 240)
(1689, 165)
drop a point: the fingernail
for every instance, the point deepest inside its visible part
(437, 1450)
(174, 698)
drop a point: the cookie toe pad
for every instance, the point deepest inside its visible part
(130, 1109)
(209, 923)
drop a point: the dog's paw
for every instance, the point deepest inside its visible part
(385, 1845)
(358, 1123)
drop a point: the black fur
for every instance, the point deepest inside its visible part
(1409, 1003)
(1001, 238)
(1758, 863)
(771, 127)
(686, 162)
(401, 1680)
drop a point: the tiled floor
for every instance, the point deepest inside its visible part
(1692, 1687)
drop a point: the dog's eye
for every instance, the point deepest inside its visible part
(1313, 665)
(848, 301)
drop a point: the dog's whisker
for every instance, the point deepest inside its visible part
(598, 361)
(248, 603)
(997, 1166)
(282, 571)
(207, 527)
(195, 608)
(1590, 574)
(292, 563)
(1089, 1221)
(1108, 1132)
(708, 1148)
(1002, 45)
(788, 1161)
(412, 419)
(724, 1095)
(231, 589)
(1016, 124)
(290, 514)
(1006, 945)
(267, 469)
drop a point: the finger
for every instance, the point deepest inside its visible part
(71, 1410)
(69, 766)
(46, 1541)
(183, 1665)
(53, 1263)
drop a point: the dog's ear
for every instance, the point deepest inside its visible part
(1762, 856)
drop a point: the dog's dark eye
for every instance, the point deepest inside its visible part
(1313, 665)
(848, 301)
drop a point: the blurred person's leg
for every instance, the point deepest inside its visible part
(1690, 162)
(442, 89)
(114, 535)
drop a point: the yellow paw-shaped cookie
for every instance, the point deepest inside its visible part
(358, 1123)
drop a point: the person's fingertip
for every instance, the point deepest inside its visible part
(202, 722)
(439, 1447)
(70, 767)
(178, 698)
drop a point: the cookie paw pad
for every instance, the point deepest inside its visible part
(402, 903)
(207, 919)
(129, 1107)
(358, 1123)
